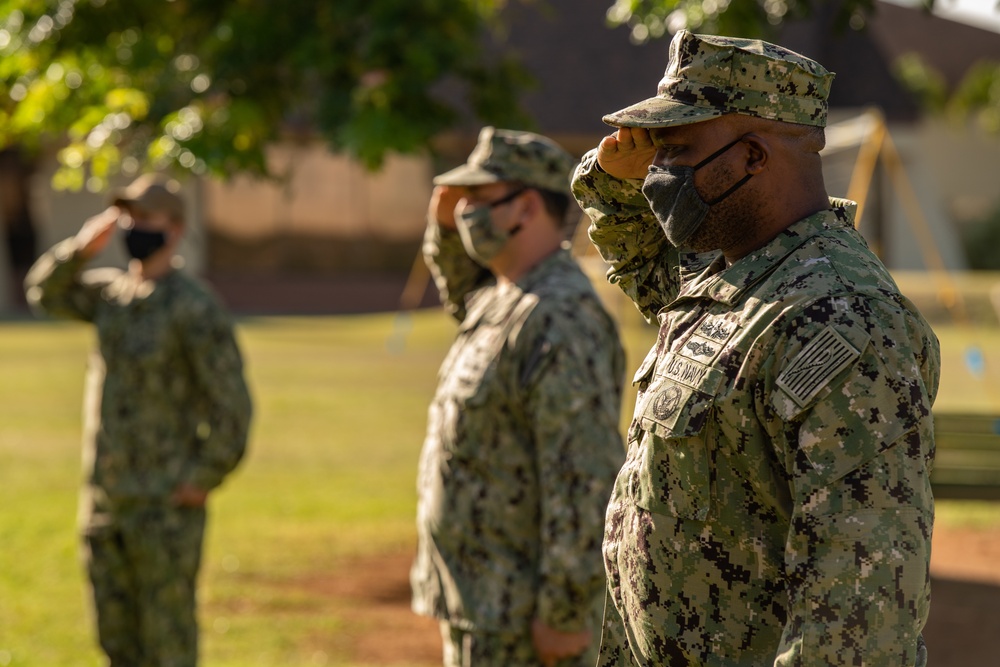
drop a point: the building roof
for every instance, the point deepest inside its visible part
(584, 69)
(948, 46)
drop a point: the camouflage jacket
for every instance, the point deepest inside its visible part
(166, 399)
(775, 506)
(522, 448)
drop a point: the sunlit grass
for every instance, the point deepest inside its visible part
(340, 408)
(329, 477)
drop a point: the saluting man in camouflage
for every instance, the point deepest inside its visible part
(166, 418)
(775, 506)
(522, 442)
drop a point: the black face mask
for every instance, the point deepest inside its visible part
(675, 201)
(141, 244)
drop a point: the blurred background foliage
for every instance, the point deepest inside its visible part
(977, 96)
(205, 85)
(981, 238)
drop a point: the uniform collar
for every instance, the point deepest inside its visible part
(539, 271)
(728, 284)
(500, 298)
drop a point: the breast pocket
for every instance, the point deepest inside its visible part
(467, 397)
(143, 345)
(470, 371)
(674, 476)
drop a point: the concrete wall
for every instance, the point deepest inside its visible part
(323, 195)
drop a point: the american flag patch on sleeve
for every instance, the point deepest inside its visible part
(820, 360)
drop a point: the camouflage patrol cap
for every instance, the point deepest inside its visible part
(511, 155)
(152, 192)
(708, 76)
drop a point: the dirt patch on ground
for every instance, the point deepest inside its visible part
(372, 595)
(964, 627)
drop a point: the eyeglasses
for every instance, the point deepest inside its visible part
(507, 198)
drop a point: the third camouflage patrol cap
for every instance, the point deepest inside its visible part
(152, 192)
(513, 156)
(708, 76)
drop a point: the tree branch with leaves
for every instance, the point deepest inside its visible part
(206, 85)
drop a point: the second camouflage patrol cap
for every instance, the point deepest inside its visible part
(513, 156)
(708, 76)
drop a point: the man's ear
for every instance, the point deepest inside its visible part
(528, 205)
(758, 153)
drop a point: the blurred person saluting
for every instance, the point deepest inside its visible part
(167, 413)
(522, 442)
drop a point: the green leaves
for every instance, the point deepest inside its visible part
(926, 84)
(976, 97)
(979, 94)
(206, 85)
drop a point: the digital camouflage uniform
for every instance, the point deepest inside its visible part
(521, 452)
(775, 507)
(165, 403)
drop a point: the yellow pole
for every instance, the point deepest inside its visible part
(864, 165)
(416, 284)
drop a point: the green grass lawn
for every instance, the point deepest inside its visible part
(340, 412)
(329, 477)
